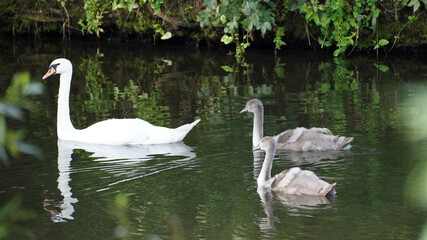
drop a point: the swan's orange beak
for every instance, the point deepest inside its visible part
(49, 73)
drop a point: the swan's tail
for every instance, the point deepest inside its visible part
(183, 130)
(343, 142)
(329, 189)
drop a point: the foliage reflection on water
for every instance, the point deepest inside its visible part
(208, 190)
(160, 89)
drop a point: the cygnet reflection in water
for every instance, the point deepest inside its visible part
(297, 205)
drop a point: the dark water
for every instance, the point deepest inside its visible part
(204, 187)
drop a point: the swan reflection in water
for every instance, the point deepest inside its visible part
(125, 157)
(299, 205)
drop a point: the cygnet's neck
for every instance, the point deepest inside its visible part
(265, 173)
(258, 130)
(64, 125)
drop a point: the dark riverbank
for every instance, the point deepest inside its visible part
(338, 27)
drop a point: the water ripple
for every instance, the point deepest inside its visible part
(125, 163)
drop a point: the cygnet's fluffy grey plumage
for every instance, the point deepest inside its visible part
(292, 181)
(298, 139)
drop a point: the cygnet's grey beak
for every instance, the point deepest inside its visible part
(244, 110)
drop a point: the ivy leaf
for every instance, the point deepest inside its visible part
(254, 20)
(226, 39)
(248, 23)
(246, 8)
(232, 26)
(265, 26)
(253, 5)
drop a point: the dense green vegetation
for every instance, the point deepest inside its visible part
(12, 106)
(341, 26)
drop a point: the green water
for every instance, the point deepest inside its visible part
(205, 187)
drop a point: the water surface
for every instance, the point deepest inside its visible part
(205, 187)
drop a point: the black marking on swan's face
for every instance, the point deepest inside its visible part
(54, 65)
(52, 71)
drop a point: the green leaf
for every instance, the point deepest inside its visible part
(383, 42)
(412, 3)
(353, 23)
(233, 25)
(327, 43)
(265, 26)
(308, 16)
(131, 6)
(227, 68)
(280, 72)
(416, 6)
(226, 39)
(316, 19)
(337, 52)
(346, 25)
(223, 19)
(376, 12)
(382, 68)
(168, 62)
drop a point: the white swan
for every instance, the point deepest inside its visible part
(298, 139)
(292, 181)
(112, 131)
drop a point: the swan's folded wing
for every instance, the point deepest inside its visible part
(290, 135)
(118, 132)
(282, 179)
(132, 131)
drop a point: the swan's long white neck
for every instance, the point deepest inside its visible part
(64, 162)
(265, 173)
(258, 130)
(64, 125)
